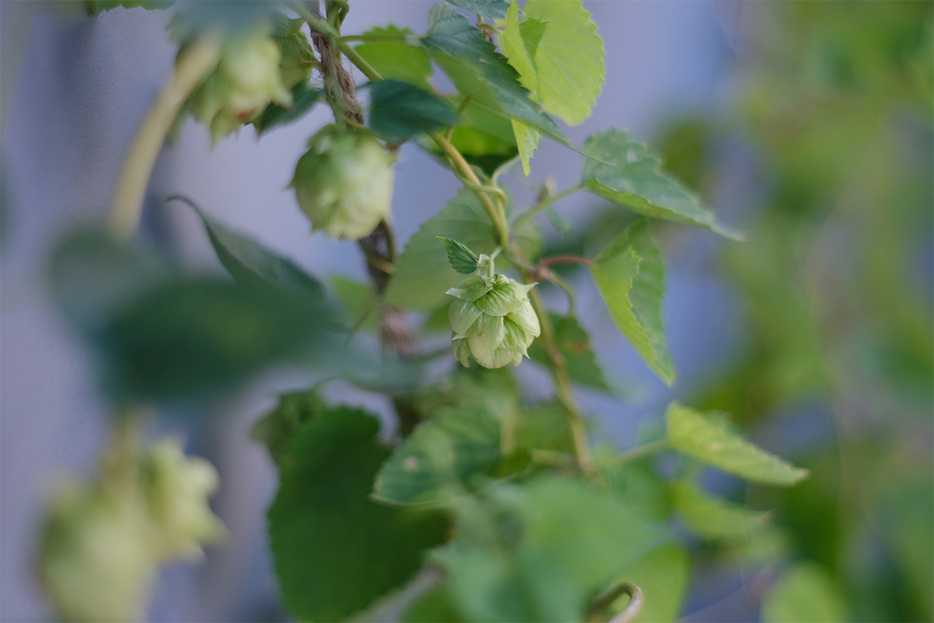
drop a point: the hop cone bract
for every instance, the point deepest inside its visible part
(492, 320)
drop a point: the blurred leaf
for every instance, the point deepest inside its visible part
(95, 7)
(397, 59)
(399, 111)
(574, 345)
(254, 266)
(805, 594)
(439, 458)
(336, 551)
(545, 427)
(527, 139)
(557, 541)
(630, 275)
(698, 436)
(360, 301)
(433, 606)
(662, 574)
(638, 484)
(422, 272)
(304, 97)
(636, 181)
(492, 9)
(713, 518)
(92, 276)
(478, 71)
(461, 259)
(276, 429)
(565, 53)
(191, 336)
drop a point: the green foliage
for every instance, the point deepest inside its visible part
(701, 437)
(461, 258)
(399, 111)
(422, 275)
(629, 175)
(396, 58)
(276, 429)
(573, 343)
(478, 71)
(804, 594)
(713, 518)
(254, 266)
(492, 9)
(560, 56)
(631, 278)
(439, 459)
(336, 551)
(304, 97)
(663, 575)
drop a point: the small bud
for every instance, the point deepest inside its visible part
(344, 182)
(492, 319)
(295, 49)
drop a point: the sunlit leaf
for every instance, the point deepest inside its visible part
(714, 518)
(704, 439)
(394, 55)
(631, 176)
(630, 275)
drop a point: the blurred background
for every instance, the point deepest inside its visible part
(807, 125)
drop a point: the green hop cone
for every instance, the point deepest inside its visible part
(176, 489)
(297, 55)
(492, 320)
(95, 561)
(246, 80)
(344, 182)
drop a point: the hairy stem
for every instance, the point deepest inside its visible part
(127, 207)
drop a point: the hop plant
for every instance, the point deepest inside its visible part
(344, 182)
(247, 78)
(492, 319)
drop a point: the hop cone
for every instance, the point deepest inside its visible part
(344, 182)
(492, 320)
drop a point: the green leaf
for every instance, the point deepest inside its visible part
(253, 265)
(422, 274)
(713, 518)
(461, 259)
(304, 97)
(485, 138)
(558, 54)
(527, 139)
(581, 530)
(437, 460)
(806, 593)
(539, 551)
(545, 427)
(276, 429)
(630, 275)
(662, 574)
(478, 71)
(336, 551)
(638, 484)
(400, 59)
(400, 111)
(574, 345)
(432, 607)
(634, 179)
(92, 276)
(190, 336)
(360, 301)
(698, 436)
(492, 9)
